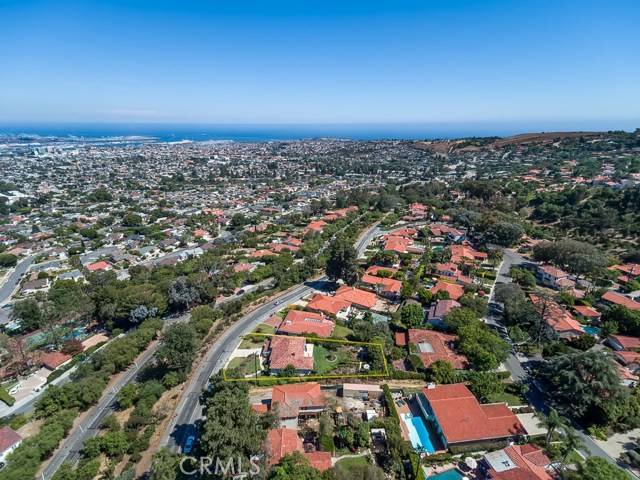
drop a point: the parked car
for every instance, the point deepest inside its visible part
(188, 444)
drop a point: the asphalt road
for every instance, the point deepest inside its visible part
(90, 425)
(189, 412)
(537, 398)
(9, 285)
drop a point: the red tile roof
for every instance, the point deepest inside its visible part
(455, 291)
(357, 296)
(437, 346)
(299, 322)
(281, 441)
(328, 304)
(628, 343)
(289, 351)
(99, 266)
(529, 461)
(53, 360)
(291, 398)
(8, 438)
(463, 419)
(384, 284)
(618, 299)
(319, 460)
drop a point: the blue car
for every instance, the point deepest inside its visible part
(188, 444)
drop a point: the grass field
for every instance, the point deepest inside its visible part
(262, 328)
(341, 332)
(511, 399)
(247, 365)
(320, 363)
(349, 463)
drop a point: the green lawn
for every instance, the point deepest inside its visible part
(247, 365)
(262, 328)
(511, 399)
(253, 342)
(320, 363)
(574, 457)
(341, 332)
(349, 463)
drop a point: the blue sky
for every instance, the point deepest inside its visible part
(310, 61)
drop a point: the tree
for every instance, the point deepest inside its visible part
(551, 423)
(412, 315)
(296, 467)
(343, 261)
(359, 471)
(484, 385)
(231, 427)
(28, 313)
(505, 233)
(164, 465)
(443, 372)
(178, 347)
(575, 257)
(597, 468)
(8, 260)
(587, 383)
(572, 441)
(425, 296)
(132, 220)
(288, 371)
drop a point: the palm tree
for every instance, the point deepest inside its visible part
(551, 422)
(572, 441)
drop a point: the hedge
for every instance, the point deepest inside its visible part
(6, 398)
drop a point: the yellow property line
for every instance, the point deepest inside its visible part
(313, 377)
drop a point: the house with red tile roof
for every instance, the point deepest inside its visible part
(298, 400)
(586, 312)
(459, 253)
(9, 441)
(358, 298)
(623, 342)
(553, 277)
(557, 317)
(432, 346)
(285, 351)
(518, 462)
(298, 322)
(387, 287)
(246, 267)
(53, 360)
(263, 253)
(455, 290)
(100, 266)
(328, 304)
(376, 269)
(280, 247)
(283, 441)
(460, 420)
(618, 299)
(316, 227)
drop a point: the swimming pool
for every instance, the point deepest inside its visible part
(449, 475)
(418, 433)
(592, 330)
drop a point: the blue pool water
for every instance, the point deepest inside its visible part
(450, 475)
(592, 330)
(418, 433)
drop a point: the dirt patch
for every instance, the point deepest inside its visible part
(31, 428)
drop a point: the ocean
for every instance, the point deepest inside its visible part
(264, 133)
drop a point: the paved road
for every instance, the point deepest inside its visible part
(536, 398)
(189, 411)
(90, 425)
(9, 285)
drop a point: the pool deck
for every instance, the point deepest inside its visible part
(412, 408)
